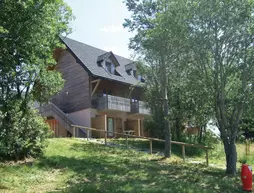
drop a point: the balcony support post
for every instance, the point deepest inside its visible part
(139, 127)
(123, 125)
(106, 125)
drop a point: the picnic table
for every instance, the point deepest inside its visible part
(128, 132)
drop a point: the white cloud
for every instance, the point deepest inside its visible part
(112, 28)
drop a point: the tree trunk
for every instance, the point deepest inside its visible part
(166, 121)
(167, 130)
(178, 115)
(231, 155)
(178, 129)
(201, 134)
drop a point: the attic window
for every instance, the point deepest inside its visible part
(129, 72)
(110, 67)
(138, 76)
(135, 73)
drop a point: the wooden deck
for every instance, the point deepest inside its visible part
(112, 103)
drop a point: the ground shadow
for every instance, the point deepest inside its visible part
(101, 170)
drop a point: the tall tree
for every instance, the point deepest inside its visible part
(221, 35)
(29, 33)
(215, 40)
(158, 43)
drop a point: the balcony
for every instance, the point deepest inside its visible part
(140, 107)
(111, 103)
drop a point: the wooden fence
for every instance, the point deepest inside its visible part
(88, 132)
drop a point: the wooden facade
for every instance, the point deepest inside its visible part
(57, 129)
(108, 99)
(112, 88)
(120, 126)
(76, 92)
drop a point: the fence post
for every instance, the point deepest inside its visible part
(87, 134)
(105, 137)
(207, 162)
(183, 152)
(151, 146)
(126, 140)
(74, 129)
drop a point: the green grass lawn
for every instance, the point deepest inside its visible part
(73, 165)
(216, 155)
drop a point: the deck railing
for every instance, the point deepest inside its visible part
(140, 107)
(112, 103)
(52, 110)
(88, 130)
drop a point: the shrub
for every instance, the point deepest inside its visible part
(24, 136)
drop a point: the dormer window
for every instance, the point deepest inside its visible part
(110, 67)
(131, 69)
(109, 62)
(137, 76)
(134, 73)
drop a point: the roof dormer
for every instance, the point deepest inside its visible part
(109, 62)
(131, 70)
(110, 56)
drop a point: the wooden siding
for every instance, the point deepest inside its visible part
(113, 88)
(76, 92)
(134, 124)
(98, 123)
(57, 128)
(118, 125)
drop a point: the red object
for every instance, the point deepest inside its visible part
(246, 176)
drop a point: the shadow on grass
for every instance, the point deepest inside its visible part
(109, 169)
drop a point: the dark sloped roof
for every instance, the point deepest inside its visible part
(131, 66)
(108, 55)
(88, 56)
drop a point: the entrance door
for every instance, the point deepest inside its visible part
(110, 127)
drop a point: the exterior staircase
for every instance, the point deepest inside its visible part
(51, 110)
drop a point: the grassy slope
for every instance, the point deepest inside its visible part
(216, 156)
(70, 165)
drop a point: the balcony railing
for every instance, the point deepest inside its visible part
(140, 107)
(112, 103)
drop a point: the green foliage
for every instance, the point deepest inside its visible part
(46, 85)
(161, 40)
(25, 137)
(29, 34)
(204, 51)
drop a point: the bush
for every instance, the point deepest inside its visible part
(24, 135)
(155, 127)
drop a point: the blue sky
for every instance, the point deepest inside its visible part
(99, 23)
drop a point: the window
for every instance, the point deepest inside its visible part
(137, 76)
(110, 67)
(129, 72)
(135, 73)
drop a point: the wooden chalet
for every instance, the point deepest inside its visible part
(102, 90)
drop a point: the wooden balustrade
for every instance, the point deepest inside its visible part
(150, 141)
(112, 103)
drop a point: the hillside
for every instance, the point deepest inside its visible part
(73, 165)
